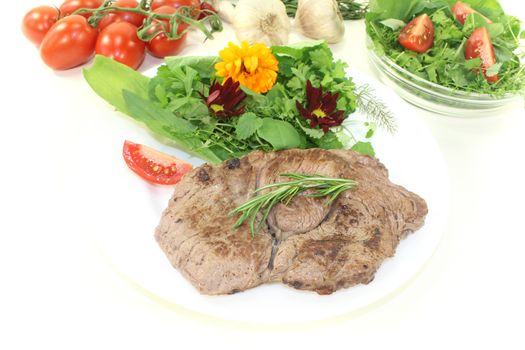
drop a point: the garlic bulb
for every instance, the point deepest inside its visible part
(226, 11)
(320, 19)
(261, 21)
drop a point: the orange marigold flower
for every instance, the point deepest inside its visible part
(252, 66)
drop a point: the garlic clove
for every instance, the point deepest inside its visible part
(320, 19)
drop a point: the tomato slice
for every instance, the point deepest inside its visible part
(480, 45)
(461, 11)
(152, 165)
(418, 34)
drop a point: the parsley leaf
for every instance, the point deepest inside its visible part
(247, 125)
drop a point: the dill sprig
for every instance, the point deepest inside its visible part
(284, 192)
(350, 9)
(375, 109)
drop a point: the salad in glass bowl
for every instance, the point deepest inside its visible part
(451, 57)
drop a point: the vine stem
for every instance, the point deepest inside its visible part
(152, 26)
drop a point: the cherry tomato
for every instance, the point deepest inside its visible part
(418, 34)
(480, 45)
(134, 18)
(69, 43)
(461, 11)
(208, 7)
(70, 6)
(160, 46)
(155, 4)
(152, 165)
(120, 42)
(37, 22)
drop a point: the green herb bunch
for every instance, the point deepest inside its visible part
(350, 9)
(445, 62)
(171, 104)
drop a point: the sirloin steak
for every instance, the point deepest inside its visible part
(304, 244)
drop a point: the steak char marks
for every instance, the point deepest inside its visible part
(305, 244)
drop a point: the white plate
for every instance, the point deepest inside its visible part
(121, 212)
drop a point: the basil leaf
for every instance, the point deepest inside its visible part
(280, 134)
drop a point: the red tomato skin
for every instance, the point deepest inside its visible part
(70, 6)
(134, 18)
(461, 11)
(152, 165)
(418, 34)
(206, 6)
(69, 43)
(37, 22)
(120, 42)
(174, 3)
(480, 45)
(160, 46)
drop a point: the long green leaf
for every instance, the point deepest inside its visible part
(165, 124)
(109, 79)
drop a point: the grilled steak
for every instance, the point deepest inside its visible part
(304, 244)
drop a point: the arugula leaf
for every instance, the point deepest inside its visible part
(280, 134)
(247, 125)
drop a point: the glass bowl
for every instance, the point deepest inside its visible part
(434, 97)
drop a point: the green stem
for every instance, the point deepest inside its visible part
(152, 20)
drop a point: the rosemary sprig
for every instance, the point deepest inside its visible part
(284, 192)
(350, 9)
(375, 109)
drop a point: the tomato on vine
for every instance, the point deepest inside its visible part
(70, 6)
(121, 16)
(206, 7)
(155, 4)
(162, 46)
(120, 42)
(69, 43)
(38, 21)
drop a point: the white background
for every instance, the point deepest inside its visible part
(58, 291)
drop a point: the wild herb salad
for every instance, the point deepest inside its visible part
(248, 98)
(475, 46)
